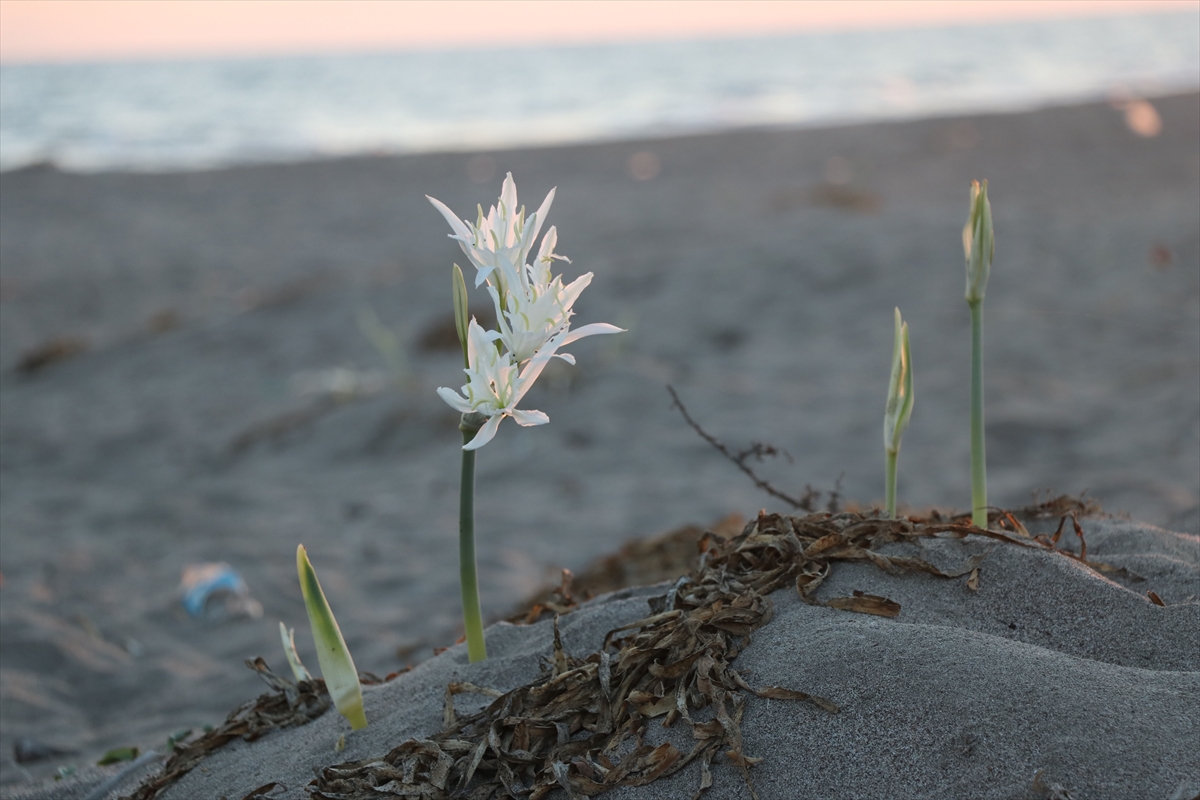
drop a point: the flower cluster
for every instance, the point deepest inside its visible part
(533, 311)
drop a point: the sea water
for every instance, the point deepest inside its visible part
(195, 114)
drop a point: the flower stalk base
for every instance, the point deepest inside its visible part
(979, 502)
(472, 616)
(891, 483)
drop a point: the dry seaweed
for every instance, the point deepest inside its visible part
(867, 604)
(582, 726)
(263, 792)
(641, 562)
(57, 349)
(1061, 506)
(288, 705)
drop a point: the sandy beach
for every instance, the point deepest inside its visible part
(756, 273)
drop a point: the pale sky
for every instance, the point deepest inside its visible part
(68, 30)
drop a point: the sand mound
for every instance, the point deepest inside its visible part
(1048, 680)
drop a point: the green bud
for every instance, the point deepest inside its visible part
(978, 242)
(460, 311)
(900, 389)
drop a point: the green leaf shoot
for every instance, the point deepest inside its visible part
(337, 667)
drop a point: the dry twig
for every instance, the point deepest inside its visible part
(758, 450)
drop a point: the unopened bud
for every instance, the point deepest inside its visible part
(460, 310)
(978, 242)
(900, 390)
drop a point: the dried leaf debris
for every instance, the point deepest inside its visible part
(582, 726)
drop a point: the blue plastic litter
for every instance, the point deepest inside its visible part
(216, 591)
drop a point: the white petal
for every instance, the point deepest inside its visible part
(482, 271)
(510, 277)
(549, 241)
(528, 418)
(454, 400)
(590, 330)
(508, 196)
(567, 357)
(477, 340)
(457, 224)
(486, 433)
(542, 211)
(535, 366)
(572, 291)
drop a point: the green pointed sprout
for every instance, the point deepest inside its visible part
(978, 246)
(388, 344)
(288, 636)
(899, 407)
(337, 667)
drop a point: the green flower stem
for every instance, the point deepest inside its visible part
(979, 502)
(891, 483)
(472, 616)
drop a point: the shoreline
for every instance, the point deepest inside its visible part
(1112, 98)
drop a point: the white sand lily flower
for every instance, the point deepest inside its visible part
(537, 307)
(499, 244)
(495, 383)
(533, 306)
(533, 310)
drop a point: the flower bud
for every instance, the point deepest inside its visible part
(978, 243)
(460, 310)
(900, 390)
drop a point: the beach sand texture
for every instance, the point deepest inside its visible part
(759, 290)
